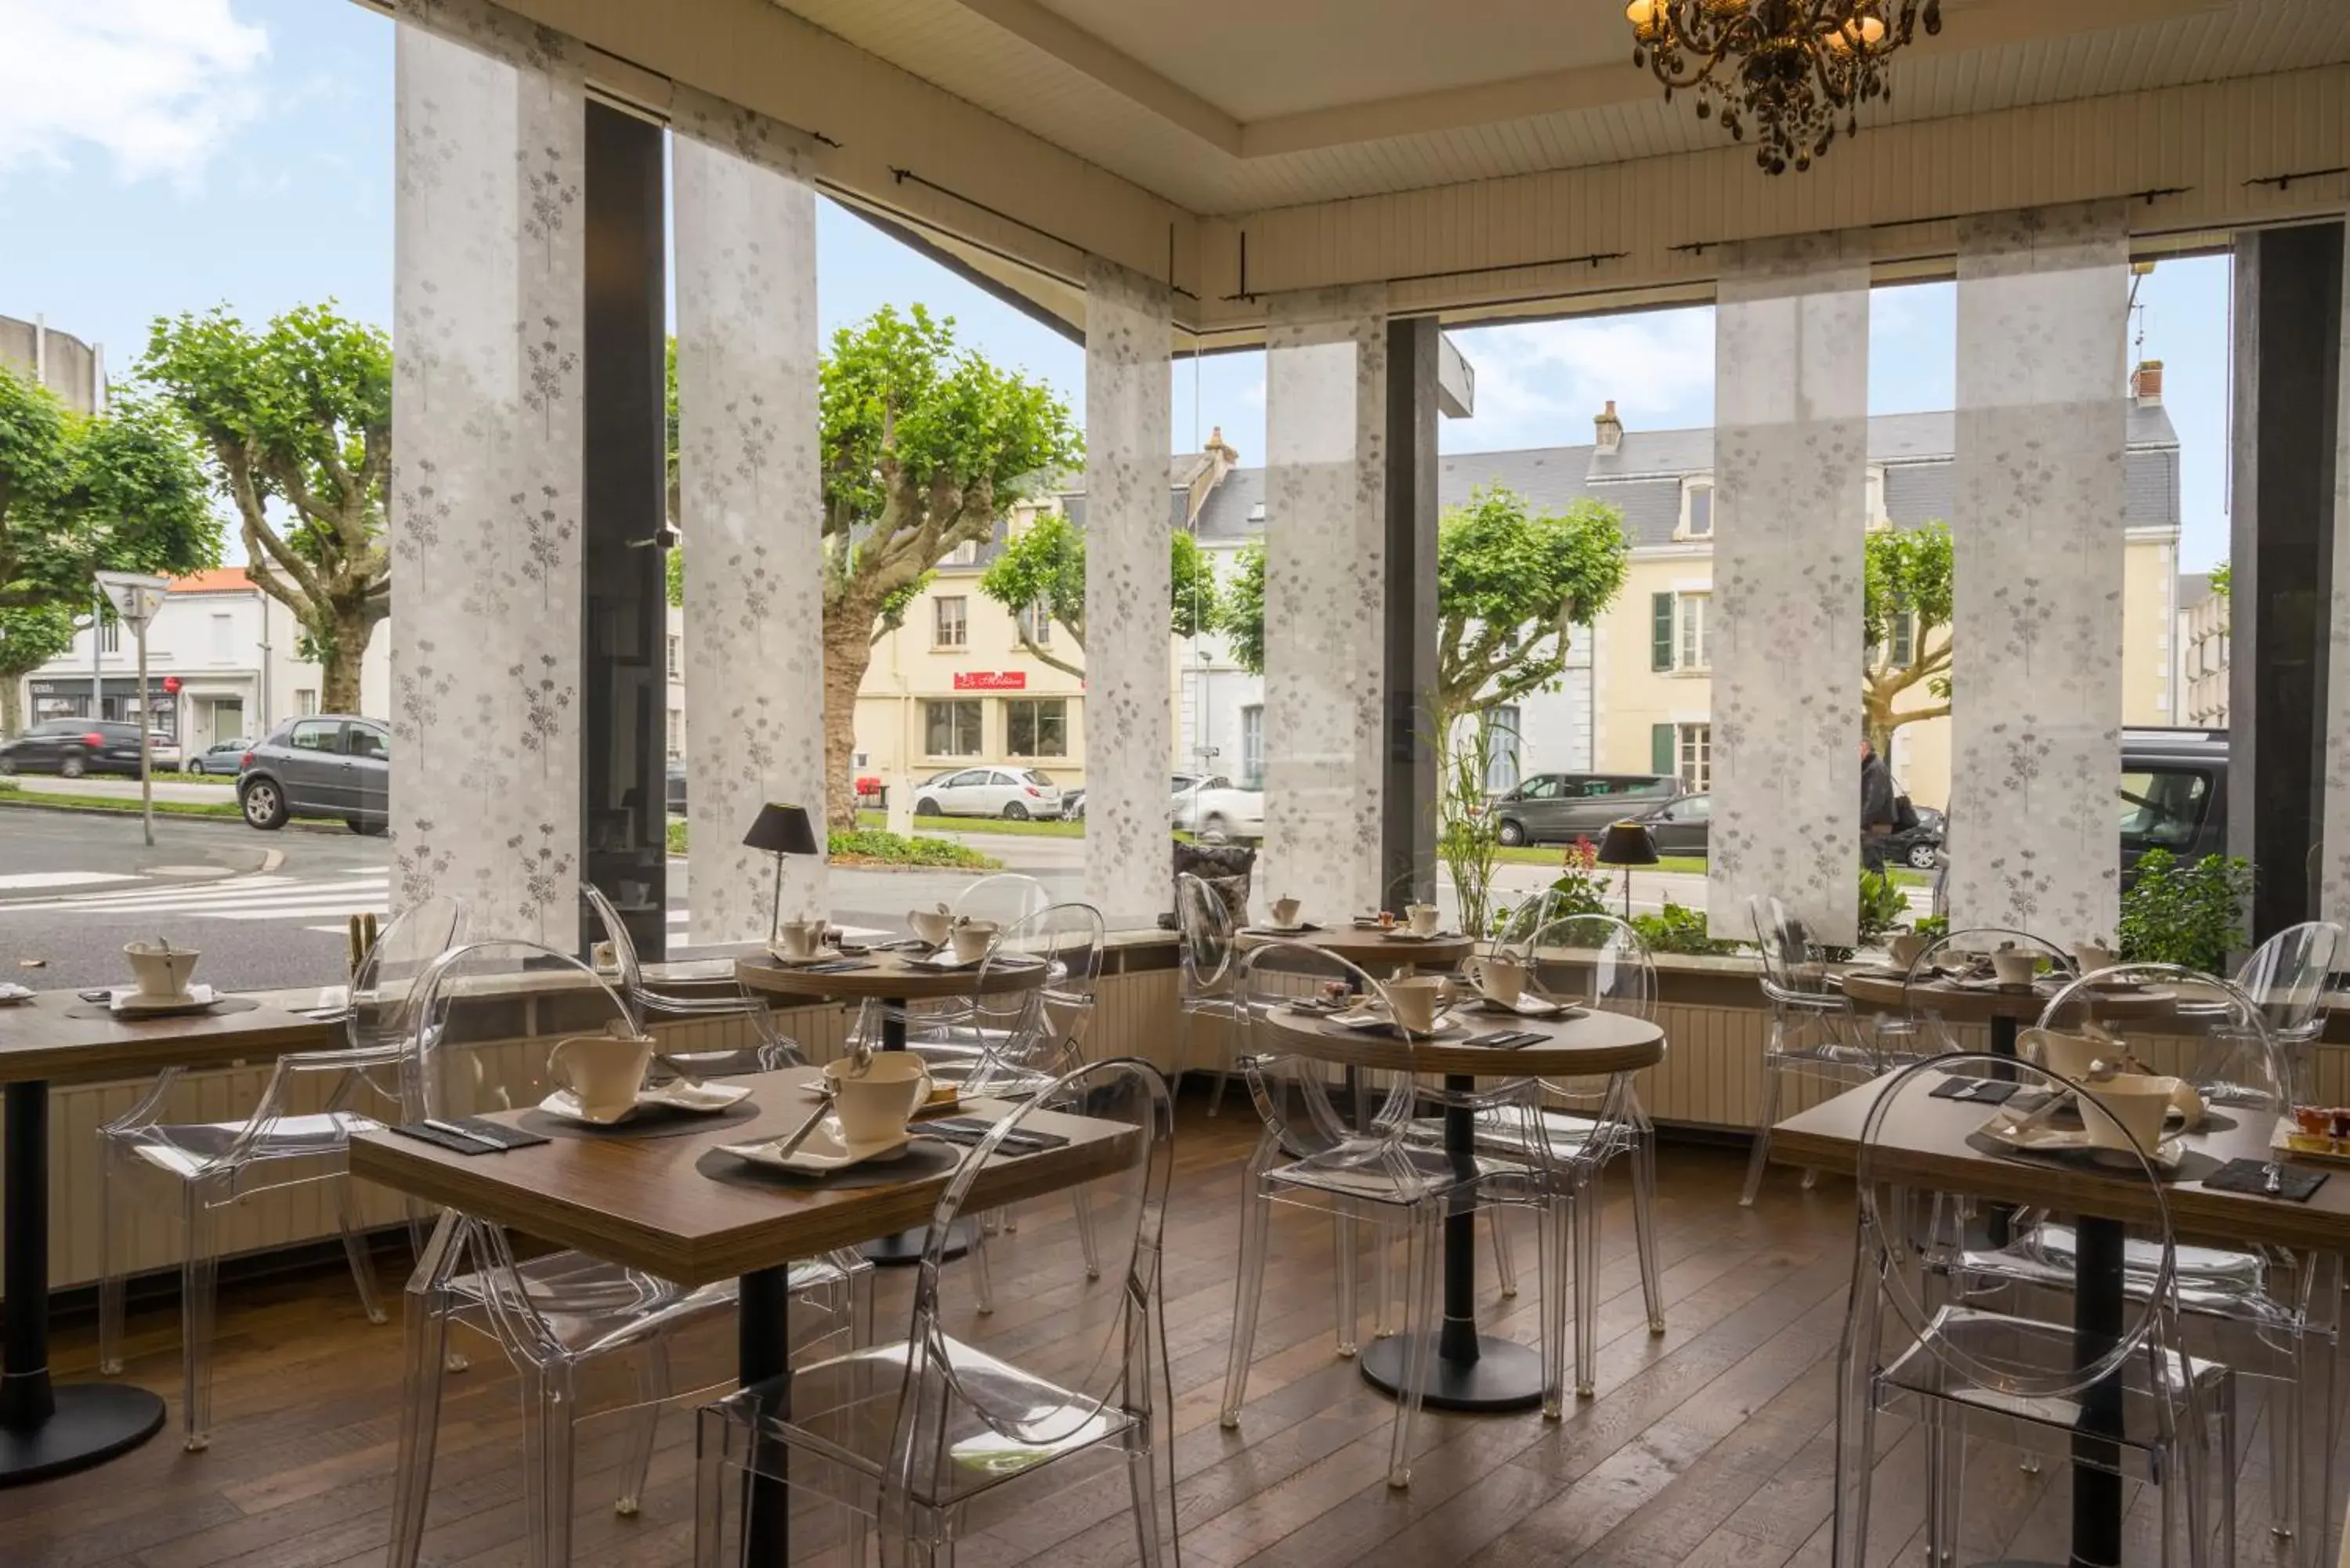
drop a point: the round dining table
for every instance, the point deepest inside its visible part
(2002, 1007)
(898, 975)
(1370, 947)
(1470, 1371)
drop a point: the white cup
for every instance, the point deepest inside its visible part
(933, 926)
(972, 938)
(2094, 956)
(161, 971)
(1422, 918)
(2126, 1106)
(2015, 966)
(1284, 911)
(1906, 946)
(1499, 977)
(874, 1107)
(1414, 1002)
(603, 1072)
(2067, 1055)
(801, 938)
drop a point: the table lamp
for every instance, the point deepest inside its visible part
(1628, 844)
(781, 830)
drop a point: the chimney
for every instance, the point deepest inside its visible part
(1610, 429)
(1219, 460)
(2146, 384)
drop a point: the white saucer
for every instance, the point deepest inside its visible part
(12, 993)
(822, 955)
(677, 1095)
(1369, 1019)
(1277, 927)
(2038, 1137)
(1527, 1007)
(1400, 934)
(130, 1003)
(820, 1151)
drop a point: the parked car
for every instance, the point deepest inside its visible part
(222, 757)
(2174, 794)
(1558, 808)
(1680, 827)
(1015, 793)
(162, 751)
(676, 789)
(1073, 801)
(72, 747)
(1214, 808)
(332, 766)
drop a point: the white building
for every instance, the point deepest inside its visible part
(220, 664)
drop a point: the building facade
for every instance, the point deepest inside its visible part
(2203, 653)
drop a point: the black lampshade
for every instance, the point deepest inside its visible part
(1628, 844)
(782, 830)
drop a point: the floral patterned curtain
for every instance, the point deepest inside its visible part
(2332, 872)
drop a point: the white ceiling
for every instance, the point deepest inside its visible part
(1236, 106)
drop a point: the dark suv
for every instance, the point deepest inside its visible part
(1558, 808)
(72, 747)
(2174, 794)
(327, 764)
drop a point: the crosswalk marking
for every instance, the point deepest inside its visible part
(61, 878)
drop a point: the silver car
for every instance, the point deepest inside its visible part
(1015, 793)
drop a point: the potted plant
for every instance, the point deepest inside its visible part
(2192, 915)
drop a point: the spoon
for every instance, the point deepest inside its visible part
(862, 1058)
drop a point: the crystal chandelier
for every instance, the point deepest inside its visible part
(1790, 69)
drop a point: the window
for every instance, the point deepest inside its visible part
(1695, 749)
(109, 636)
(1252, 746)
(1901, 638)
(367, 740)
(1501, 750)
(677, 659)
(317, 735)
(950, 628)
(1693, 640)
(1876, 497)
(223, 638)
(306, 701)
(676, 731)
(950, 729)
(1697, 510)
(1036, 727)
(1036, 624)
(1545, 786)
(2163, 808)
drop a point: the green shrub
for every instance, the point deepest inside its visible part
(1882, 907)
(1675, 929)
(1932, 927)
(2188, 915)
(871, 844)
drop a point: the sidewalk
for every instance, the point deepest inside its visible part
(126, 789)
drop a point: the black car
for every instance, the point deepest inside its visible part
(332, 766)
(2174, 794)
(1679, 826)
(1558, 808)
(225, 758)
(72, 747)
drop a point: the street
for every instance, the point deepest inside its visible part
(269, 908)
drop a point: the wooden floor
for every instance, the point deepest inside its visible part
(1710, 1445)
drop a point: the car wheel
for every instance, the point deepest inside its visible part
(927, 807)
(264, 807)
(1513, 833)
(1921, 855)
(73, 767)
(1015, 812)
(8, 767)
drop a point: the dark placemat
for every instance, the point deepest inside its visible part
(2295, 1183)
(507, 1136)
(1979, 1091)
(924, 1158)
(649, 1121)
(1297, 931)
(217, 1005)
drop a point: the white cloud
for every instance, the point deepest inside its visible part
(1538, 384)
(157, 85)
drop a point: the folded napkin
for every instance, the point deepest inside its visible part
(835, 966)
(502, 1136)
(2250, 1175)
(1986, 1091)
(970, 1130)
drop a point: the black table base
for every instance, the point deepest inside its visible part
(46, 1430)
(905, 1249)
(1502, 1373)
(2098, 1306)
(763, 1360)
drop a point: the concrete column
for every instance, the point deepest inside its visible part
(753, 507)
(2287, 506)
(485, 505)
(1791, 471)
(1409, 779)
(2037, 540)
(1326, 599)
(1129, 728)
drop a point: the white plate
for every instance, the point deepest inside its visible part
(1402, 935)
(820, 1151)
(677, 1095)
(1277, 928)
(1376, 1018)
(12, 993)
(1529, 1007)
(822, 955)
(129, 1003)
(2028, 1136)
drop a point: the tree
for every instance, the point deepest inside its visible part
(1907, 629)
(28, 640)
(2220, 579)
(1044, 567)
(1510, 584)
(924, 447)
(299, 415)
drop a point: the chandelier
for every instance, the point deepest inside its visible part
(1791, 69)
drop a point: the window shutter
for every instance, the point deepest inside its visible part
(1661, 747)
(1661, 632)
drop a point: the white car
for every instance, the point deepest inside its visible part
(1214, 808)
(162, 751)
(1017, 794)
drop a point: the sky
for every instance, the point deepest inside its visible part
(160, 156)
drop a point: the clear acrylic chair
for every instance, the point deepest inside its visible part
(769, 1047)
(910, 1436)
(1340, 1142)
(1970, 1369)
(1208, 946)
(193, 1170)
(1815, 1033)
(1006, 897)
(2286, 977)
(2274, 1312)
(555, 1313)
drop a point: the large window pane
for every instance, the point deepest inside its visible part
(950, 729)
(1036, 727)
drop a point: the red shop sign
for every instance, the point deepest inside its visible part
(991, 681)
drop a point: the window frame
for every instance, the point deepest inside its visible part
(939, 603)
(1683, 599)
(1691, 488)
(1035, 707)
(1253, 744)
(1035, 622)
(1693, 756)
(331, 728)
(956, 706)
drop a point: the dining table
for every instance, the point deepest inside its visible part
(47, 1428)
(1376, 947)
(644, 1204)
(1472, 1371)
(895, 975)
(2003, 1009)
(1928, 1144)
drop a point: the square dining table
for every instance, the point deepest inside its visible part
(47, 1429)
(1925, 1144)
(640, 1202)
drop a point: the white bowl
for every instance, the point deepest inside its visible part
(161, 970)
